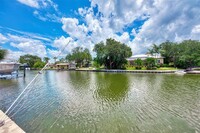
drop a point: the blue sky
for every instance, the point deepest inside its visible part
(43, 27)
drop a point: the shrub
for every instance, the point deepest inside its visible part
(138, 67)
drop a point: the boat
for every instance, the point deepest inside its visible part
(8, 67)
(180, 72)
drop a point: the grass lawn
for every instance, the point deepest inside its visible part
(86, 68)
(167, 68)
(144, 68)
(133, 68)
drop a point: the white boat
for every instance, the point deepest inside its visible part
(180, 72)
(8, 67)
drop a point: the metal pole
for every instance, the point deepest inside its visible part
(24, 71)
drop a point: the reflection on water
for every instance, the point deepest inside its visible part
(112, 87)
(105, 102)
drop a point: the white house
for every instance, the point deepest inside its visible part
(158, 57)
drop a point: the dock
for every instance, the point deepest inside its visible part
(9, 126)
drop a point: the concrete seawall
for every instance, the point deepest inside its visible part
(131, 71)
(9, 126)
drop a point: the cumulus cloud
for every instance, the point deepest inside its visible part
(26, 46)
(162, 20)
(120, 19)
(14, 55)
(169, 22)
(72, 27)
(3, 39)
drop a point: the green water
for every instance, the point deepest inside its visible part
(86, 102)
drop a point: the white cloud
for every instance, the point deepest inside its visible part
(39, 3)
(66, 44)
(28, 45)
(196, 29)
(162, 21)
(31, 47)
(31, 3)
(177, 25)
(47, 10)
(46, 16)
(3, 39)
(72, 27)
(14, 55)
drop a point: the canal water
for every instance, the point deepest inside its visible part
(88, 102)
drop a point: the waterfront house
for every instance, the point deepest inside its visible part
(65, 66)
(159, 59)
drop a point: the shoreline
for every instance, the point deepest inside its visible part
(129, 71)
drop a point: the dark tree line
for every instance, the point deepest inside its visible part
(33, 61)
(183, 55)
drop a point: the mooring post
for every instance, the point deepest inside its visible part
(24, 71)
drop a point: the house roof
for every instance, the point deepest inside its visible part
(144, 56)
(62, 64)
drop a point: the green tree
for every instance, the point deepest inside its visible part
(138, 62)
(29, 59)
(150, 63)
(39, 64)
(155, 49)
(189, 54)
(113, 54)
(55, 58)
(184, 54)
(95, 63)
(3, 53)
(46, 59)
(170, 51)
(80, 55)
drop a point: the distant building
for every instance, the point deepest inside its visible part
(51, 66)
(158, 57)
(65, 66)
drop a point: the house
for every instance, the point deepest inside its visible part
(158, 57)
(51, 66)
(66, 66)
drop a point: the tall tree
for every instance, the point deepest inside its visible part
(29, 59)
(46, 59)
(184, 54)
(113, 54)
(3, 53)
(138, 63)
(80, 55)
(189, 53)
(150, 63)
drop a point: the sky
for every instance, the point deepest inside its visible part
(44, 27)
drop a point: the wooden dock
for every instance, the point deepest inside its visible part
(9, 126)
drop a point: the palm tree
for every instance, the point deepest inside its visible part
(46, 59)
(154, 49)
(55, 59)
(3, 53)
(138, 63)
